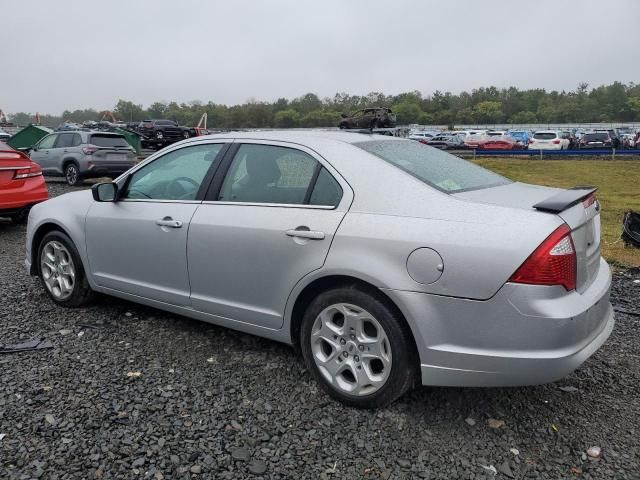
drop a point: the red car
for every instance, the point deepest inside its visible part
(499, 143)
(21, 184)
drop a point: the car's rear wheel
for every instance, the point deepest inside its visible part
(72, 174)
(358, 348)
(61, 271)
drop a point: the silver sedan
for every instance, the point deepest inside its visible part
(385, 261)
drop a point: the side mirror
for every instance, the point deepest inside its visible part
(104, 192)
(32, 149)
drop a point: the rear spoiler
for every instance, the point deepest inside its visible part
(565, 199)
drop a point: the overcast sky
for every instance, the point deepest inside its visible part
(58, 55)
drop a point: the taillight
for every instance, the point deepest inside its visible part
(556, 142)
(89, 149)
(590, 200)
(33, 171)
(552, 263)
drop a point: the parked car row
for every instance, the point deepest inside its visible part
(523, 139)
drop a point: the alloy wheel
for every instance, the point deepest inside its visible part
(57, 269)
(351, 349)
(72, 175)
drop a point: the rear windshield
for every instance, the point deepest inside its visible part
(436, 168)
(544, 136)
(596, 137)
(108, 141)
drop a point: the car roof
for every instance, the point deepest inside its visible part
(304, 137)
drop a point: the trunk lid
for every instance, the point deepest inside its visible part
(582, 217)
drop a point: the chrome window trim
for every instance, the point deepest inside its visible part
(153, 200)
(278, 205)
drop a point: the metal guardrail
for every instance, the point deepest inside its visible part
(613, 153)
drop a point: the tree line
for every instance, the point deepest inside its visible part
(617, 102)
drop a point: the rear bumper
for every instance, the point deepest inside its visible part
(31, 191)
(545, 147)
(524, 335)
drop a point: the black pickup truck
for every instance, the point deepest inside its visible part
(158, 133)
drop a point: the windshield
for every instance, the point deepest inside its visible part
(108, 141)
(436, 168)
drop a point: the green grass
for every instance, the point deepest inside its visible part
(618, 185)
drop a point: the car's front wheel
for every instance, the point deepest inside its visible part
(358, 348)
(61, 271)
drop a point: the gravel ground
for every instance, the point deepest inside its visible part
(132, 392)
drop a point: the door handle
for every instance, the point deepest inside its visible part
(169, 222)
(310, 234)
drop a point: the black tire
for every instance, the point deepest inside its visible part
(81, 293)
(404, 367)
(72, 174)
(20, 218)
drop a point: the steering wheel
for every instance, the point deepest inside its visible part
(171, 187)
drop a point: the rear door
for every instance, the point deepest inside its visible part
(42, 153)
(59, 150)
(263, 227)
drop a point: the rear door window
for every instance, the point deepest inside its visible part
(441, 170)
(269, 174)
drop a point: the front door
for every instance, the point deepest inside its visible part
(138, 244)
(42, 153)
(270, 223)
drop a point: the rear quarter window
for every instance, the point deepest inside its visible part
(441, 170)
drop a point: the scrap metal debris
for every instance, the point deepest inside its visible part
(33, 344)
